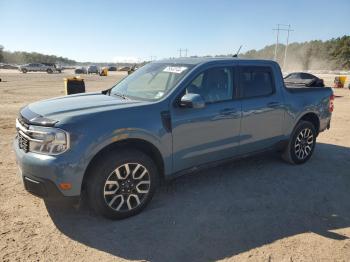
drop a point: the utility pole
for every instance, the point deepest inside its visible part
(182, 50)
(285, 50)
(282, 27)
(276, 46)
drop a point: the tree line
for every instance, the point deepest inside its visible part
(333, 54)
(19, 58)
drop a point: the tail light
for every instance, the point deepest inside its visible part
(331, 103)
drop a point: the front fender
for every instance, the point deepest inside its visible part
(162, 143)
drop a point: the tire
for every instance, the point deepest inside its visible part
(49, 71)
(301, 144)
(24, 71)
(115, 190)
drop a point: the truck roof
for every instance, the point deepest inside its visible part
(201, 60)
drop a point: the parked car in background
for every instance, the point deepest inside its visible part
(304, 79)
(7, 66)
(80, 70)
(132, 69)
(125, 68)
(56, 68)
(37, 67)
(112, 68)
(93, 69)
(166, 119)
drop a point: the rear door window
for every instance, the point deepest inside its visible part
(255, 81)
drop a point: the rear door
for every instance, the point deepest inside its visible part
(211, 133)
(42, 67)
(32, 67)
(262, 108)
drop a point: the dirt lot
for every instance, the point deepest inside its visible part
(257, 209)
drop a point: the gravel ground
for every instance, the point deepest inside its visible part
(256, 209)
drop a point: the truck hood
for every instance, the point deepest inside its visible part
(73, 105)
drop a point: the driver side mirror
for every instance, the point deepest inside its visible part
(192, 101)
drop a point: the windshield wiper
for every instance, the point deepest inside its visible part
(120, 95)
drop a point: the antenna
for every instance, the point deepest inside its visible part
(239, 49)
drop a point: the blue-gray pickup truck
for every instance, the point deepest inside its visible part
(168, 118)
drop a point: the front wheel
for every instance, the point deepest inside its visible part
(122, 183)
(301, 144)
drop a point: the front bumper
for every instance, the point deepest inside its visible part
(45, 189)
(42, 174)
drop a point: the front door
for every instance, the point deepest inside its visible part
(211, 133)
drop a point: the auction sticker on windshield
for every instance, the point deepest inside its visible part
(175, 69)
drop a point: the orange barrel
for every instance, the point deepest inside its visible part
(104, 71)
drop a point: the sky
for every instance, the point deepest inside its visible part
(115, 31)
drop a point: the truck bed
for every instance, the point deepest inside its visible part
(302, 88)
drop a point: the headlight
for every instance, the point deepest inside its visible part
(47, 140)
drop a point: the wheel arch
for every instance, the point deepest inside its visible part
(131, 143)
(312, 118)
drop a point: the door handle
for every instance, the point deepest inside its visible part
(274, 104)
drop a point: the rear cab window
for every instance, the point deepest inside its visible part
(255, 81)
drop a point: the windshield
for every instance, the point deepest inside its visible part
(151, 82)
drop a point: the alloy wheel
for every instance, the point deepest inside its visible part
(127, 187)
(304, 143)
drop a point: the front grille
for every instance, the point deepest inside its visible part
(24, 122)
(22, 127)
(23, 142)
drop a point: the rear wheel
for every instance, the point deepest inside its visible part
(121, 184)
(24, 71)
(49, 71)
(302, 143)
